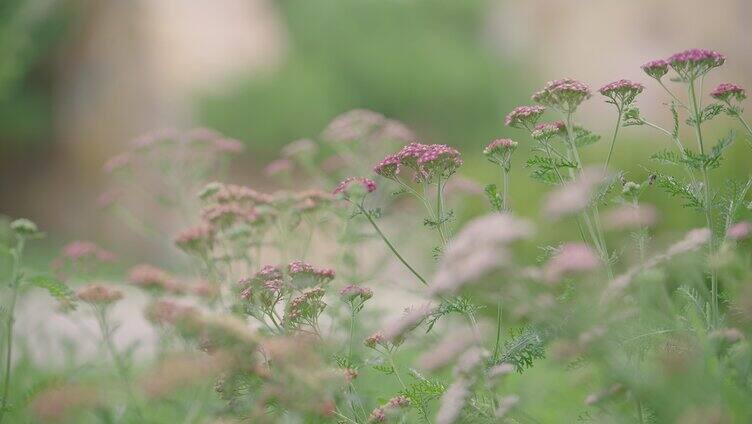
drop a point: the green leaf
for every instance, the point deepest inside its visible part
(494, 198)
(675, 116)
(584, 137)
(57, 289)
(714, 158)
(707, 113)
(692, 194)
(522, 349)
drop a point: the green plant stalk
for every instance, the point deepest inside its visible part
(561, 181)
(714, 305)
(15, 282)
(613, 139)
(389, 244)
(505, 193)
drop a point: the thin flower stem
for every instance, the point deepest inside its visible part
(389, 244)
(707, 206)
(14, 283)
(505, 194)
(561, 181)
(497, 344)
(613, 139)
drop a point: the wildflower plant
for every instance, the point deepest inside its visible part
(273, 310)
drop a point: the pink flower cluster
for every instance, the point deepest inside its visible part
(564, 94)
(545, 130)
(235, 193)
(344, 188)
(228, 214)
(152, 278)
(82, 250)
(429, 161)
(656, 68)
(368, 126)
(524, 116)
(196, 239)
(99, 294)
(739, 231)
(571, 258)
(352, 292)
(383, 412)
(727, 91)
(622, 92)
(308, 305)
(499, 146)
(300, 268)
(375, 339)
(689, 64)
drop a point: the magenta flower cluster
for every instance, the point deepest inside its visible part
(728, 91)
(295, 268)
(344, 188)
(622, 92)
(656, 68)
(524, 116)
(428, 161)
(689, 64)
(545, 130)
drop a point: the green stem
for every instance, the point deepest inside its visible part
(505, 194)
(707, 206)
(613, 140)
(497, 344)
(14, 283)
(389, 244)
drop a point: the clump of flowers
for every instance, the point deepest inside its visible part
(304, 274)
(565, 94)
(154, 279)
(355, 296)
(198, 239)
(727, 92)
(524, 116)
(693, 63)
(622, 92)
(656, 68)
(99, 295)
(354, 187)
(500, 152)
(544, 131)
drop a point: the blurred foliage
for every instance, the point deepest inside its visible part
(30, 32)
(423, 62)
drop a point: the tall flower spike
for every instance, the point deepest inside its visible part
(622, 92)
(728, 91)
(565, 94)
(693, 63)
(524, 116)
(656, 68)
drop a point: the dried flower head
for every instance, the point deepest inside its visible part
(656, 68)
(727, 92)
(693, 63)
(622, 92)
(99, 294)
(565, 94)
(524, 116)
(354, 187)
(571, 258)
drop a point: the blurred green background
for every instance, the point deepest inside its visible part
(78, 79)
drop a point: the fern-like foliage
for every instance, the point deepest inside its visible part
(423, 391)
(732, 201)
(690, 193)
(57, 289)
(523, 347)
(494, 198)
(583, 137)
(707, 113)
(545, 168)
(459, 305)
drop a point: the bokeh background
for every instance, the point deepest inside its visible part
(80, 78)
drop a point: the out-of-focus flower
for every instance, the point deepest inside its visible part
(117, 163)
(99, 294)
(304, 274)
(376, 339)
(60, 402)
(656, 68)
(299, 147)
(610, 392)
(447, 350)
(178, 372)
(628, 217)
(354, 186)
(228, 145)
(367, 126)
(396, 330)
(571, 258)
(86, 250)
(197, 239)
(152, 278)
(728, 91)
(232, 193)
(480, 247)
(163, 312)
(739, 231)
(506, 404)
(24, 227)
(574, 196)
(226, 214)
(278, 166)
(524, 116)
(352, 293)
(350, 374)
(565, 94)
(453, 401)
(389, 409)
(693, 63)
(622, 92)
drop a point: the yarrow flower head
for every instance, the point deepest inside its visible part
(99, 294)
(500, 152)
(656, 68)
(547, 130)
(353, 186)
(389, 167)
(693, 63)
(622, 92)
(304, 274)
(728, 91)
(355, 295)
(438, 161)
(565, 94)
(154, 279)
(524, 116)
(307, 306)
(376, 339)
(198, 239)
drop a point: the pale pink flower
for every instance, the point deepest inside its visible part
(574, 196)
(99, 294)
(453, 401)
(278, 166)
(450, 346)
(739, 231)
(628, 217)
(571, 258)
(299, 147)
(228, 145)
(83, 250)
(395, 331)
